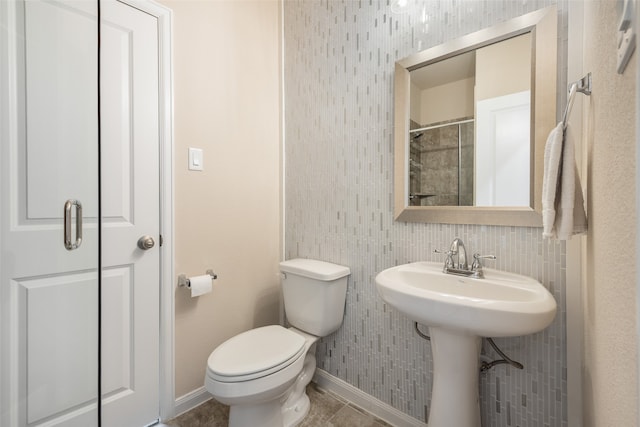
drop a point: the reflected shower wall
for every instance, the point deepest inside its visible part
(441, 164)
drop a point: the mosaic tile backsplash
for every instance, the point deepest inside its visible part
(338, 61)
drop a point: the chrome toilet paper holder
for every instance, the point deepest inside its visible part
(184, 282)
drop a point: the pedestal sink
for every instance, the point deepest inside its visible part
(459, 311)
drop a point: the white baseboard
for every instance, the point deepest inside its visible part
(369, 403)
(190, 400)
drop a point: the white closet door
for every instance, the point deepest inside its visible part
(130, 200)
(49, 154)
(48, 294)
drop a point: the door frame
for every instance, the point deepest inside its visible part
(167, 256)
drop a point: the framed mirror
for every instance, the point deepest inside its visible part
(471, 120)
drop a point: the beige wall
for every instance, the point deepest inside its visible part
(503, 68)
(447, 102)
(610, 390)
(227, 102)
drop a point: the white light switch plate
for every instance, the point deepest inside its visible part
(196, 159)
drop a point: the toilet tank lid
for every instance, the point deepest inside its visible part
(314, 269)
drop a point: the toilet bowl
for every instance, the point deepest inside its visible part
(257, 394)
(262, 373)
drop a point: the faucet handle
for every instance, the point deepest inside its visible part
(476, 260)
(449, 252)
(476, 267)
(449, 261)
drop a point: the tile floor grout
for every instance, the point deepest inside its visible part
(327, 410)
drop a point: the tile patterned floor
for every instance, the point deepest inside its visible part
(327, 410)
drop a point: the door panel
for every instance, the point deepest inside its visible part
(59, 379)
(130, 199)
(117, 296)
(49, 295)
(61, 128)
(117, 97)
(48, 155)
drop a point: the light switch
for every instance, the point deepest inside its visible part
(196, 159)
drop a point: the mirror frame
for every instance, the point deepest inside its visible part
(542, 24)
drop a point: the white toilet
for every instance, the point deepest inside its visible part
(262, 374)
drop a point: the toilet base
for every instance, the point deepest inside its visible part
(283, 406)
(294, 416)
(287, 411)
(297, 404)
(268, 414)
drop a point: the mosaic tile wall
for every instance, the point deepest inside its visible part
(339, 58)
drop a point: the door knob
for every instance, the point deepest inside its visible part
(146, 242)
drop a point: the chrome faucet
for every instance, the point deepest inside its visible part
(456, 262)
(457, 248)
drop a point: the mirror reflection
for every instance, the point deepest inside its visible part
(469, 128)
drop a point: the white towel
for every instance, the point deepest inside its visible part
(552, 158)
(563, 213)
(571, 218)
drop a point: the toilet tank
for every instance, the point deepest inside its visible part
(314, 294)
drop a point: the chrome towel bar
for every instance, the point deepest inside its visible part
(583, 86)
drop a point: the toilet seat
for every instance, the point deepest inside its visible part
(255, 354)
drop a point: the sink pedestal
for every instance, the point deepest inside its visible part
(454, 398)
(459, 310)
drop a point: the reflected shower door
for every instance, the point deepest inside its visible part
(49, 187)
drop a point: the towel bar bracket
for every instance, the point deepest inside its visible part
(583, 86)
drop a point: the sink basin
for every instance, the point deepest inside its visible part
(502, 304)
(459, 310)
